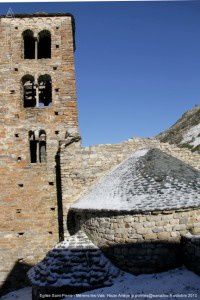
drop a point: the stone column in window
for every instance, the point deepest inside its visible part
(36, 48)
(36, 92)
(42, 146)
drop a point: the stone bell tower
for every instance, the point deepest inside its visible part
(37, 110)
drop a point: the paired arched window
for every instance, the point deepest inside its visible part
(37, 93)
(37, 145)
(37, 47)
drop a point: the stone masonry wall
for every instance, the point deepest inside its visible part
(139, 243)
(191, 252)
(81, 167)
(29, 192)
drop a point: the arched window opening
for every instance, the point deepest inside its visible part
(33, 147)
(29, 44)
(29, 91)
(44, 44)
(45, 90)
(42, 146)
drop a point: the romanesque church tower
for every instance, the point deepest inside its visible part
(37, 110)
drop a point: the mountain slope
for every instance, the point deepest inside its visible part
(185, 132)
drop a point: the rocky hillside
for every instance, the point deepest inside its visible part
(185, 132)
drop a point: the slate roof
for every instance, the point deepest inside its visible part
(149, 180)
(76, 262)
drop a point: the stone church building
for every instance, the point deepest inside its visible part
(43, 167)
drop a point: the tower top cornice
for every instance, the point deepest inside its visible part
(40, 14)
(43, 15)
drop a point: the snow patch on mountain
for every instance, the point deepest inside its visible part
(192, 136)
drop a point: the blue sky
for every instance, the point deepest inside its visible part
(137, 64)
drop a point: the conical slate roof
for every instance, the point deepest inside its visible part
(76, 262)
(148, 180)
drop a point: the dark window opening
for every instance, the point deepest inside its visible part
(37, 147)
(33, 147)
(20, 233)
(20, 185)
(51, 183)
(57, 46)
(33, 151)
(44, 44)
(29, 91)
(16, 69)
(19, 158)
(29, 44)
(45, 90)
(16, 135)
(42, 146)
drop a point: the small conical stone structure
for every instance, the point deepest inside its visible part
(75, 262)
(148, 180)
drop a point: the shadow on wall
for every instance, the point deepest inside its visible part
(16, 279)
(145, 257)
(59, 197)
(137, 257)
